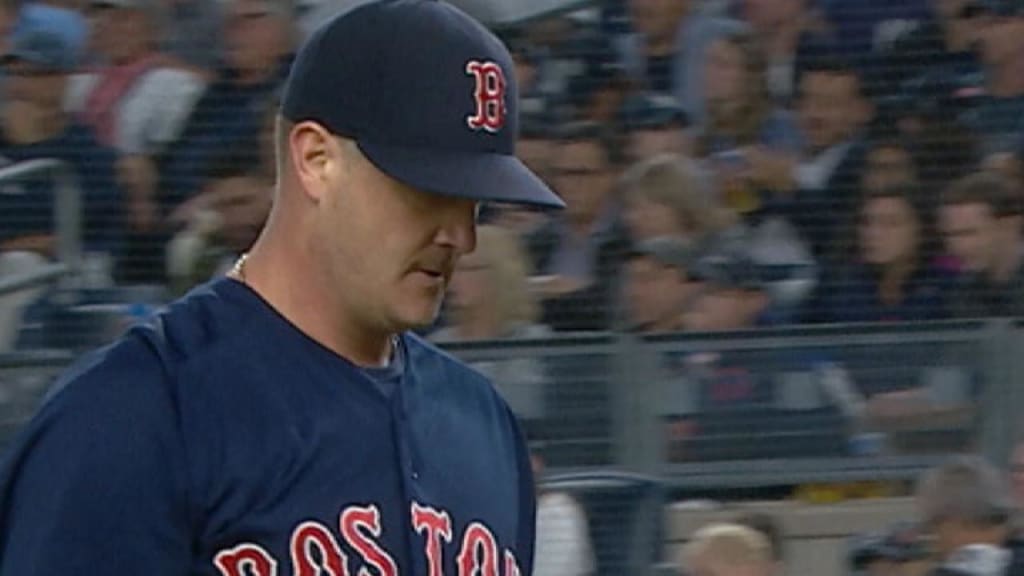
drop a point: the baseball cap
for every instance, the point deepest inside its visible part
(44, 46)
(427, 93)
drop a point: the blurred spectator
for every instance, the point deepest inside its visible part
(966, 507)
(889, 164)
(135, 101)
(727, 550)
(941, 52)
(666, 196)
(1009, 165)
(191, 34)
(490, 299)
(222, 222)
(35, 126)
(893, 277)
(788, 32)
(564, 547)
(666, 51)
(731, 294)
(980, 219)
(654, 125)
(866, 27)
(898, 551)
(818, 194)
(9, 13)
(1017, 473)
(770, 529)
(579, 253)
(999, 117)
(258, 37)
(658, 289)
(741, 114)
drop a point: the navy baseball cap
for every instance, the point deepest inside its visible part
(427, 93)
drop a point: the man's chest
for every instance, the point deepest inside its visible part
(352, 487)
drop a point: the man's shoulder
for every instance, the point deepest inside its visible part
(150, 356)
(444, 375)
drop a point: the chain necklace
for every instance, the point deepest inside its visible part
(238, 270)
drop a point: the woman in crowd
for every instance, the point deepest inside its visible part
(742, 119)
(489, 299)
(667, 196)
(893, 275)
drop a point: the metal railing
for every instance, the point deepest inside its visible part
(67, 208)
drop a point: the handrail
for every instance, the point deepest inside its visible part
(20, 282)
(67, 208)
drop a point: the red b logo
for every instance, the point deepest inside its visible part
(489, 96)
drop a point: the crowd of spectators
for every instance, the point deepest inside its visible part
(861, 160)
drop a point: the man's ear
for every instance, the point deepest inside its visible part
(315, 158)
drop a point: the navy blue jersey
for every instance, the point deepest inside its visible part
(221, 440)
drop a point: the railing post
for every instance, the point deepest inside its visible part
(68, 219)
(1000, 397)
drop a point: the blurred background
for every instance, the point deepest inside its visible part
(776, 331)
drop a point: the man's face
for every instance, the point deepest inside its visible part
(32, 84)
(971, 234)
(390, 250)
(256, 37)
(582, 178)
(1002, 39)
(831, 108)
(655, 292)
(647, 220)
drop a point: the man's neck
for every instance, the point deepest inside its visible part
(310, 305)
(1007, 81)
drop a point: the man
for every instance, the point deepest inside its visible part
(580, 255)
(980, 218)
(966, 506)
(283, 420)
(998, 116)
(655, 125)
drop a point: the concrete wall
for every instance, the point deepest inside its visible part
(816, 535)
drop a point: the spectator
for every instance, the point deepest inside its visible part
(564, 547)
(741, 115)
(731, 295)
(35, 125)
(666, 52)
(894, 277)
(788, 32)
(223, 221)
(258, 39)
(490, 299)
(966, 506)
(980, 219)
(728, 550)
(666, 196)
(654, 125)
(658, 290)
(136, 101)
(941, 51)
(818, 193)
(579, 253)
(999, 117)
(770, 529)
(899, 551)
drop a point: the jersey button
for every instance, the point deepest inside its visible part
(415, 475)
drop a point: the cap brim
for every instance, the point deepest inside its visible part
(488, 177)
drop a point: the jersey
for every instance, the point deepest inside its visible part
(221, 440)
